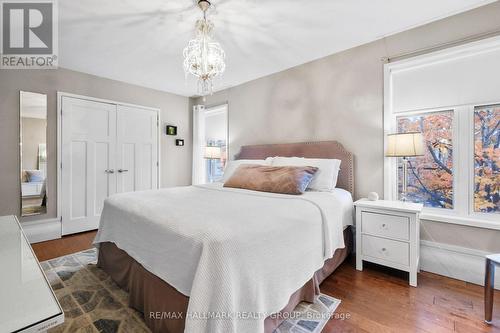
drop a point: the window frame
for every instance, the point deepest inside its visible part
(456, 156)
(214, 110)
(462, 212)
(472, 174)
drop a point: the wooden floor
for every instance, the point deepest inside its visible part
(380, 300)
(63, 246)
(375, 300)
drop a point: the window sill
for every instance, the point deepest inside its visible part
(465, 221)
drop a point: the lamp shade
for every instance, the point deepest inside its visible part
(212, 153)
(405, 144)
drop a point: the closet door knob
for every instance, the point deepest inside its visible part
(109, 171)
(122, 170)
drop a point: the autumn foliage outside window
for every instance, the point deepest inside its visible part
(430, 177)
(487, 159)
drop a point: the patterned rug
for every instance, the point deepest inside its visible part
(92, 302)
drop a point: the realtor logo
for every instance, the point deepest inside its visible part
(29, 34)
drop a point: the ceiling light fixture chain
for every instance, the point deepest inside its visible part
(203, 56)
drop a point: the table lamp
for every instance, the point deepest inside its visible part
(405, 145)
(212, 153)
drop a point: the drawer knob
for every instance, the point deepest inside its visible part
(384, 225)
(384, 249)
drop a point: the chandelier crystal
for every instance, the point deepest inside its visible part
(203, 56)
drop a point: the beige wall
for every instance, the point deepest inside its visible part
(175, 163)
(340, 97)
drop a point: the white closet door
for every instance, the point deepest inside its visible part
(137, 149)
(88, 162)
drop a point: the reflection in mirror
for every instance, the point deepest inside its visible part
(33, 110)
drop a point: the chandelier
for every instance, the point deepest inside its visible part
(203, 56)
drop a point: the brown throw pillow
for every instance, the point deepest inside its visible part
(275, 179)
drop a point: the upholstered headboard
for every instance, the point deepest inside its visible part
(321, 149)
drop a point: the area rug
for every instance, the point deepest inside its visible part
(92, 302)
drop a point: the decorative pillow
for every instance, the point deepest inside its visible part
(326, 177)
(35, 176)
(275, 179)
(231, 166)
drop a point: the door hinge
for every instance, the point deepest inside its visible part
(60, 165)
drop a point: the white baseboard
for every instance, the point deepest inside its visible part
(42, 230)
(454, 261)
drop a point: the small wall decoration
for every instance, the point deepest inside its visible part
(179, 142)
(171, 130)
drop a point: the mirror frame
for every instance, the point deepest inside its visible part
(45, 185)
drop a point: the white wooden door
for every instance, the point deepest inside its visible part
(88, 137)
(137, 149)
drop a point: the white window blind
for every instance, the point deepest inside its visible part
(467, 75)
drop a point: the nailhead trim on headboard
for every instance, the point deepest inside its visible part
(319, 149)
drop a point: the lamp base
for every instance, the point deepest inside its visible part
(404, 191)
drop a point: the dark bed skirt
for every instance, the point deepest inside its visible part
(154, 297)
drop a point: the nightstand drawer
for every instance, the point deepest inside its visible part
(391, 226)
(386, 249)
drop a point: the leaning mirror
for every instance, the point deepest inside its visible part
(33, 150)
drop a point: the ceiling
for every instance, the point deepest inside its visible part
(141, 42)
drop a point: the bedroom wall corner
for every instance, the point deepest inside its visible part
(175, 161)
(340, 97)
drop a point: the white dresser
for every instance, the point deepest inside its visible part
(27, 302)
(388, 233)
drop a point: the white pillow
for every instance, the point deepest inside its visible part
(231, 166)
(325, 179)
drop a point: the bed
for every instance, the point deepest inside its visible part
(211, 259)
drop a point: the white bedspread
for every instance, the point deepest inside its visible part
(235, 253)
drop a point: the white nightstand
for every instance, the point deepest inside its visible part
(388, 233)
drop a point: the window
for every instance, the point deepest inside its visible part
(214, 167)
(451, 97)
(487, 159)
(210, 143)
(430, 177)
